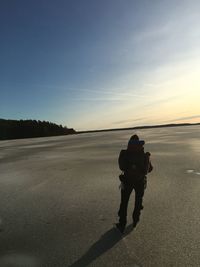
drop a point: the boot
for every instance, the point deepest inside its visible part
(120, 227)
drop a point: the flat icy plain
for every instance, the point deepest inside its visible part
(59, 198)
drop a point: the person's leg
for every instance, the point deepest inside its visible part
(122, 213)
(139, 193)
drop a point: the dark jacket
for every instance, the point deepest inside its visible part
(135, 163)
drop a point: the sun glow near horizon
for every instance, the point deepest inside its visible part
(171, 96)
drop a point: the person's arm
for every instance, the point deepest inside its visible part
(150, 167)
(122, 160)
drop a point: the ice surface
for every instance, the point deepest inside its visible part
(59, 198)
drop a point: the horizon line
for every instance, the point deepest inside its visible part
(139, 127)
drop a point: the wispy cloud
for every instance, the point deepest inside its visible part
(130, 122)
(90, 99)
(119, 93)
(184, 118)
(158, 85)
(159, 101)
(153, 33)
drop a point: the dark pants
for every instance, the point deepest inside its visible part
(139, 188)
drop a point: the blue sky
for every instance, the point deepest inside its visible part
(100, 64)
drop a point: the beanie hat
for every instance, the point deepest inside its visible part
(134, 140)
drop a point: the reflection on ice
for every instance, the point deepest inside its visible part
(19, 260)
(14, 178)
(195, 145)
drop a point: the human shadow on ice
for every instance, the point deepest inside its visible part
(106, 242)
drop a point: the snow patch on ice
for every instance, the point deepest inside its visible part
(190, 171)
(193, 171)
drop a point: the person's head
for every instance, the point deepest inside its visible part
(135, 143)
(134, 137)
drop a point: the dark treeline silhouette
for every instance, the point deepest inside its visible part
(15, 129)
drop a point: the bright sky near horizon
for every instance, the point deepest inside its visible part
(92, 64)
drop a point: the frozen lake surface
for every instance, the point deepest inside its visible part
(59, 198)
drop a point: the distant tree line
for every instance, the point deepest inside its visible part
(15, 129)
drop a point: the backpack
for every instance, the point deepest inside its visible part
(134, 164)
(122, 160)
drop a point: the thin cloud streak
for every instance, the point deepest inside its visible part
(93, 91)
(130, 120)
(184, 118)
(98, 99)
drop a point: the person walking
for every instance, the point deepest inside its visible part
(135, 164)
